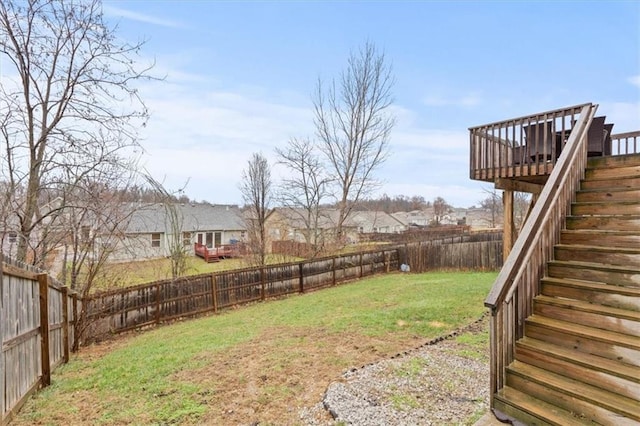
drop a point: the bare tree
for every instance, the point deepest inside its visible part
(440, 208)
(174, 223)
(305, 189)
(353, 122)
(257, 193)
(522, 203)
(493, 203)
(67, 98)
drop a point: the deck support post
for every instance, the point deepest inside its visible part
(508, 227)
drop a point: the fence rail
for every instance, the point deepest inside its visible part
(37, 331)
(140, 306)
(136, 307)
(465, 252)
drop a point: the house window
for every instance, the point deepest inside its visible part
(209, 238)
(155, 240)
(186, 239)
(13, 236)
(218, 239)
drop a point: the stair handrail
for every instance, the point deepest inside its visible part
(511, 297)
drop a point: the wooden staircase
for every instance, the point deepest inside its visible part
(579, 359)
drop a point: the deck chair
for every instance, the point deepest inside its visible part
(596, 138)
(606, 149)
(539, 141)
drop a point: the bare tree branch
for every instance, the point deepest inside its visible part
(257, 193)
(306, 188)
(353, 124)
(68, 99)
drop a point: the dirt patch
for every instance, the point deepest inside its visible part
(269, 379)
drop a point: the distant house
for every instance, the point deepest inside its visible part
(150, 230)
(289, 224)
(375, 222)
(415, 218)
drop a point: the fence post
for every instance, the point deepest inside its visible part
(262, 295)
(387, 261)
(361, 272)
(333, 282)
(301, 278)
(43, 283)
(2, 361)
(76, 335)
(65, 323)
(214, 292)
(158, 303)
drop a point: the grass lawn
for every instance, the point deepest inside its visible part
(259, 363)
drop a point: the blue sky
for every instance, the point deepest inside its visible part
(239, 79)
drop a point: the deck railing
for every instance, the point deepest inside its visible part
(511, 298)
(625, 143)
(522, 147)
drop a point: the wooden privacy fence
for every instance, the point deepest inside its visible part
(148, 304)
(143, 305)
(37, 331)
(473, 251)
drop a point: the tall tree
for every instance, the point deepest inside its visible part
(353, 122)
(174, 223)
(305, 188)
(440, 208)
(67, 100)
(493, 203)
(257, 193)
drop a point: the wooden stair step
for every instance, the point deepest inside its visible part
(589, 314)
(629, 182)
(609, 344)
(588, 291)
(591, 403)
(601, 238)
(530, 410)
(620, 256)
(624, 171)
(608, 194)
(627, 372)
(615, 377)
(610, 161)
(598, 272)
(608, 223)
(605, 208)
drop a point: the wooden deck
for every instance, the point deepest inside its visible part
(526, 149)
(215, 254)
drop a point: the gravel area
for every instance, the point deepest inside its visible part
(444, 381)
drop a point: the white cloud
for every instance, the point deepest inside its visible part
(139, 17)
(624, 115)
(207, 137)
(469, 100)
(635, 80)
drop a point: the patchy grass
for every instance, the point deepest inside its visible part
(260, 363)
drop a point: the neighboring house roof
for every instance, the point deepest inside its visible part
(151, 218)
(329, 217)
(295, 217)
(373, 219)
(415, 217)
